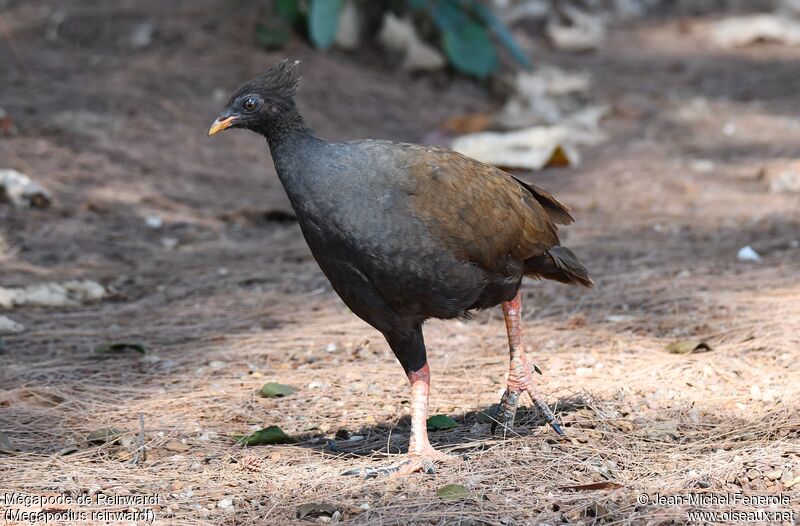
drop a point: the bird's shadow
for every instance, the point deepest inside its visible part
(472, 434)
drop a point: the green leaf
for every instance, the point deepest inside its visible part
(288, 10)
(449, 15)
(272, 38)
(104, 434)
(504, 35)
(418, 4)
(687, 347)
(452, 492)
(323, 22)
(273, 390)
(470, 49)
(441, 422)
(268, 435)
(119, 348)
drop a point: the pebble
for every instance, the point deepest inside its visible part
(747, 253)
(9, 326)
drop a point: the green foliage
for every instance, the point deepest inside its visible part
(440, 423)
(470, 49)
(323, 22)
(503, 34)
(453, 492)
(467, 29)
(268, 435)
(273, 390)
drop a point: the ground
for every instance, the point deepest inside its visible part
(225, 295)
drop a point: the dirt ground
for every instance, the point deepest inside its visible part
(225, 295)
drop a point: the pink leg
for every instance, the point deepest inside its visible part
(421, 455)
(519, 374)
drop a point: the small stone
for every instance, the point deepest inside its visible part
(225, 504)
(153, 221)
(747, 253)
(774, 475)
(9, 326)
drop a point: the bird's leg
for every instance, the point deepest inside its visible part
(519, 374)
(421, 455)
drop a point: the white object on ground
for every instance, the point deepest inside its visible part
(348, 34)
(21, 191)
(587, 32)
(748, 254)
(399, 35)
(749, 29)
(531, 148)
(9, 326)
(69, 293)
(786, 180)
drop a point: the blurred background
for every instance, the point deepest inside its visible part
(145, 269)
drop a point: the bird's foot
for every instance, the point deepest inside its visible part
(423, 461)
(507, 409)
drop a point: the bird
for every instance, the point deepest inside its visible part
(406, 233)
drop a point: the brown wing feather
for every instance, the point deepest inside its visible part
(481, 212)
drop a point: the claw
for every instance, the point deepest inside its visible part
(506, 410)
(549, 416)
(406, 467)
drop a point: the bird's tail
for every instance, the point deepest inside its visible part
(559, 264)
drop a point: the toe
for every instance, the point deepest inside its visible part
(414, 463)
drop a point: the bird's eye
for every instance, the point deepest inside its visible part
(249, 104)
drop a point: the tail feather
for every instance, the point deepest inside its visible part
(559, 264)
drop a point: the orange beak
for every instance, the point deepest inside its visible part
(221, 124)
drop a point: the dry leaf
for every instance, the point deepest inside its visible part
(593, 486)
(176, 446)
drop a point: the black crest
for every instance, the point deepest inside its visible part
(278, 83)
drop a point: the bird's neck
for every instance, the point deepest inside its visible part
(286, 128)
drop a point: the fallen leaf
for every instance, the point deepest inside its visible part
(176, 445)
(268, 435)
(316, 509)
(530, 148)
(67, 450)
(593, 486)
(273, 390)
(5, 445)
(66, 294)
(117, 349)
(104, 434)
(469, 123)
(749, 29)
(687, 347)
(440, 422)
(452, 492)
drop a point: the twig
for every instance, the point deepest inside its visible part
(141, 451)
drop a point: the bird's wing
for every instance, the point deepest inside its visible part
(479, 211)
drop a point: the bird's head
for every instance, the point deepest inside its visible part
(264, 101)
